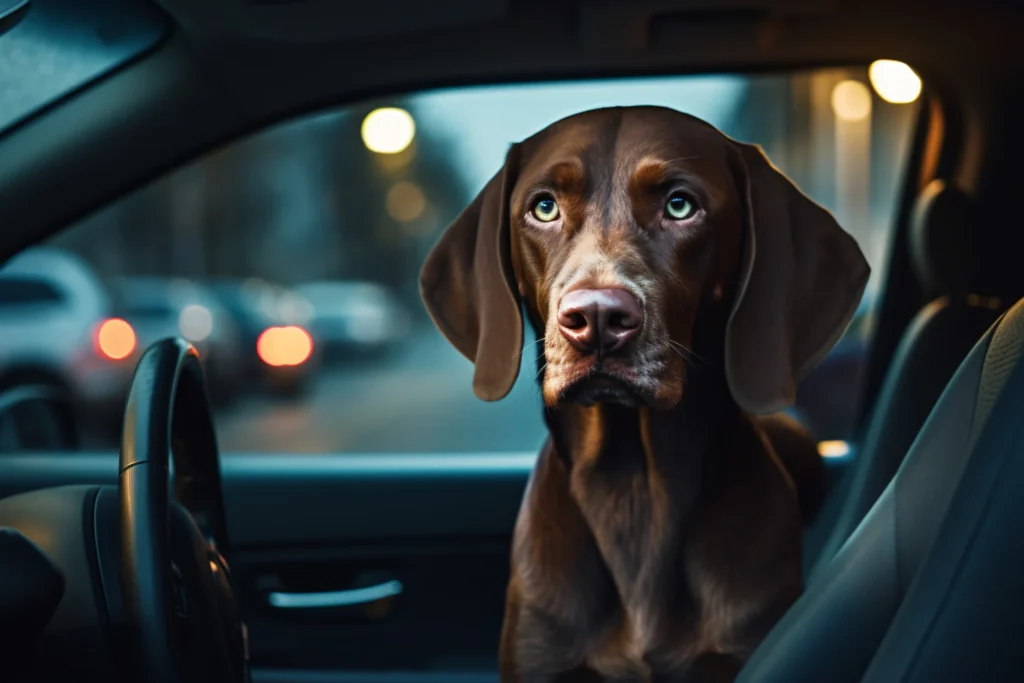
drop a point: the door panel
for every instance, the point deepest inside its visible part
(446, 618)
(429, 533)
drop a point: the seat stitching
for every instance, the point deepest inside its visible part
(1000, 360)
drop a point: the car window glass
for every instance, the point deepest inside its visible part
(322, 223)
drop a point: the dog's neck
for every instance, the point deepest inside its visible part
(637, 475)
(617, 440)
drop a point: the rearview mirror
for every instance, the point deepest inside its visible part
(11, 12)
(37, 418)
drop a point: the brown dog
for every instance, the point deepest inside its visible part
(677, 282)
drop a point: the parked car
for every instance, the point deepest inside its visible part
(157, 307)
(57, 330)
(354, 319)
(276, 350)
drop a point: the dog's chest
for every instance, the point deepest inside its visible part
(631, 525)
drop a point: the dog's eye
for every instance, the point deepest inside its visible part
(545, 210)
(679, 207)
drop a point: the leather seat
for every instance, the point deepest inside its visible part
(928, 587)
(945, 258)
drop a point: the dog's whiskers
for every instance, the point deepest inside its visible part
(540, 372)
(527, 347)
(686, 354)
(536, 384)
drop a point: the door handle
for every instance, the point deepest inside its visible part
(328, 599)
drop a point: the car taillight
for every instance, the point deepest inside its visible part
(115, 339)
(284, 346)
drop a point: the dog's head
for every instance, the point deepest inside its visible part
(618, 229)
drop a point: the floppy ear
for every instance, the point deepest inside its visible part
(800, 281)
(469, 287)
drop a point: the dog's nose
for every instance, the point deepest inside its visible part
(599, 319)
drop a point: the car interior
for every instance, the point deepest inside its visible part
(357, 530)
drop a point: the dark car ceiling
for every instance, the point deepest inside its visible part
(232, 66)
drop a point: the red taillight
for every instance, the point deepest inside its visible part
(284, 346)
(115, 339)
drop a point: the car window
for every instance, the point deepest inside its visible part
(19, 291)
(335, 213)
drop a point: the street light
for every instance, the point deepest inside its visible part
(895, 82)
(388, 130)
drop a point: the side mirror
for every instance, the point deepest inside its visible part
(11, 12)
(37, 418)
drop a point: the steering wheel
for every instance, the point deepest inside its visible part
(168, 414)
(125, 583)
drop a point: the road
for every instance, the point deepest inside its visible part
(418, 399)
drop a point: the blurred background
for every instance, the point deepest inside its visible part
(290, 259)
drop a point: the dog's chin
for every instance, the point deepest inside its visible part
(602, 388)
(612, 383)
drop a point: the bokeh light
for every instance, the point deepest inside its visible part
(388, 130)
(833, 449)
(195, 322)
(851, 101)
(284, 346)
(405, 201)
(895, 82)
(115, 339)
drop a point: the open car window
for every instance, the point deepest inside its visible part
(322, 223)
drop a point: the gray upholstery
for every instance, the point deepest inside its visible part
(943, 249)
(931, 349)
(928, 587)
(933, 346)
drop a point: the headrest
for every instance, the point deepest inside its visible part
(943, 248)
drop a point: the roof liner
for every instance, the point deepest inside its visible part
(327, 21)
(322, 21)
